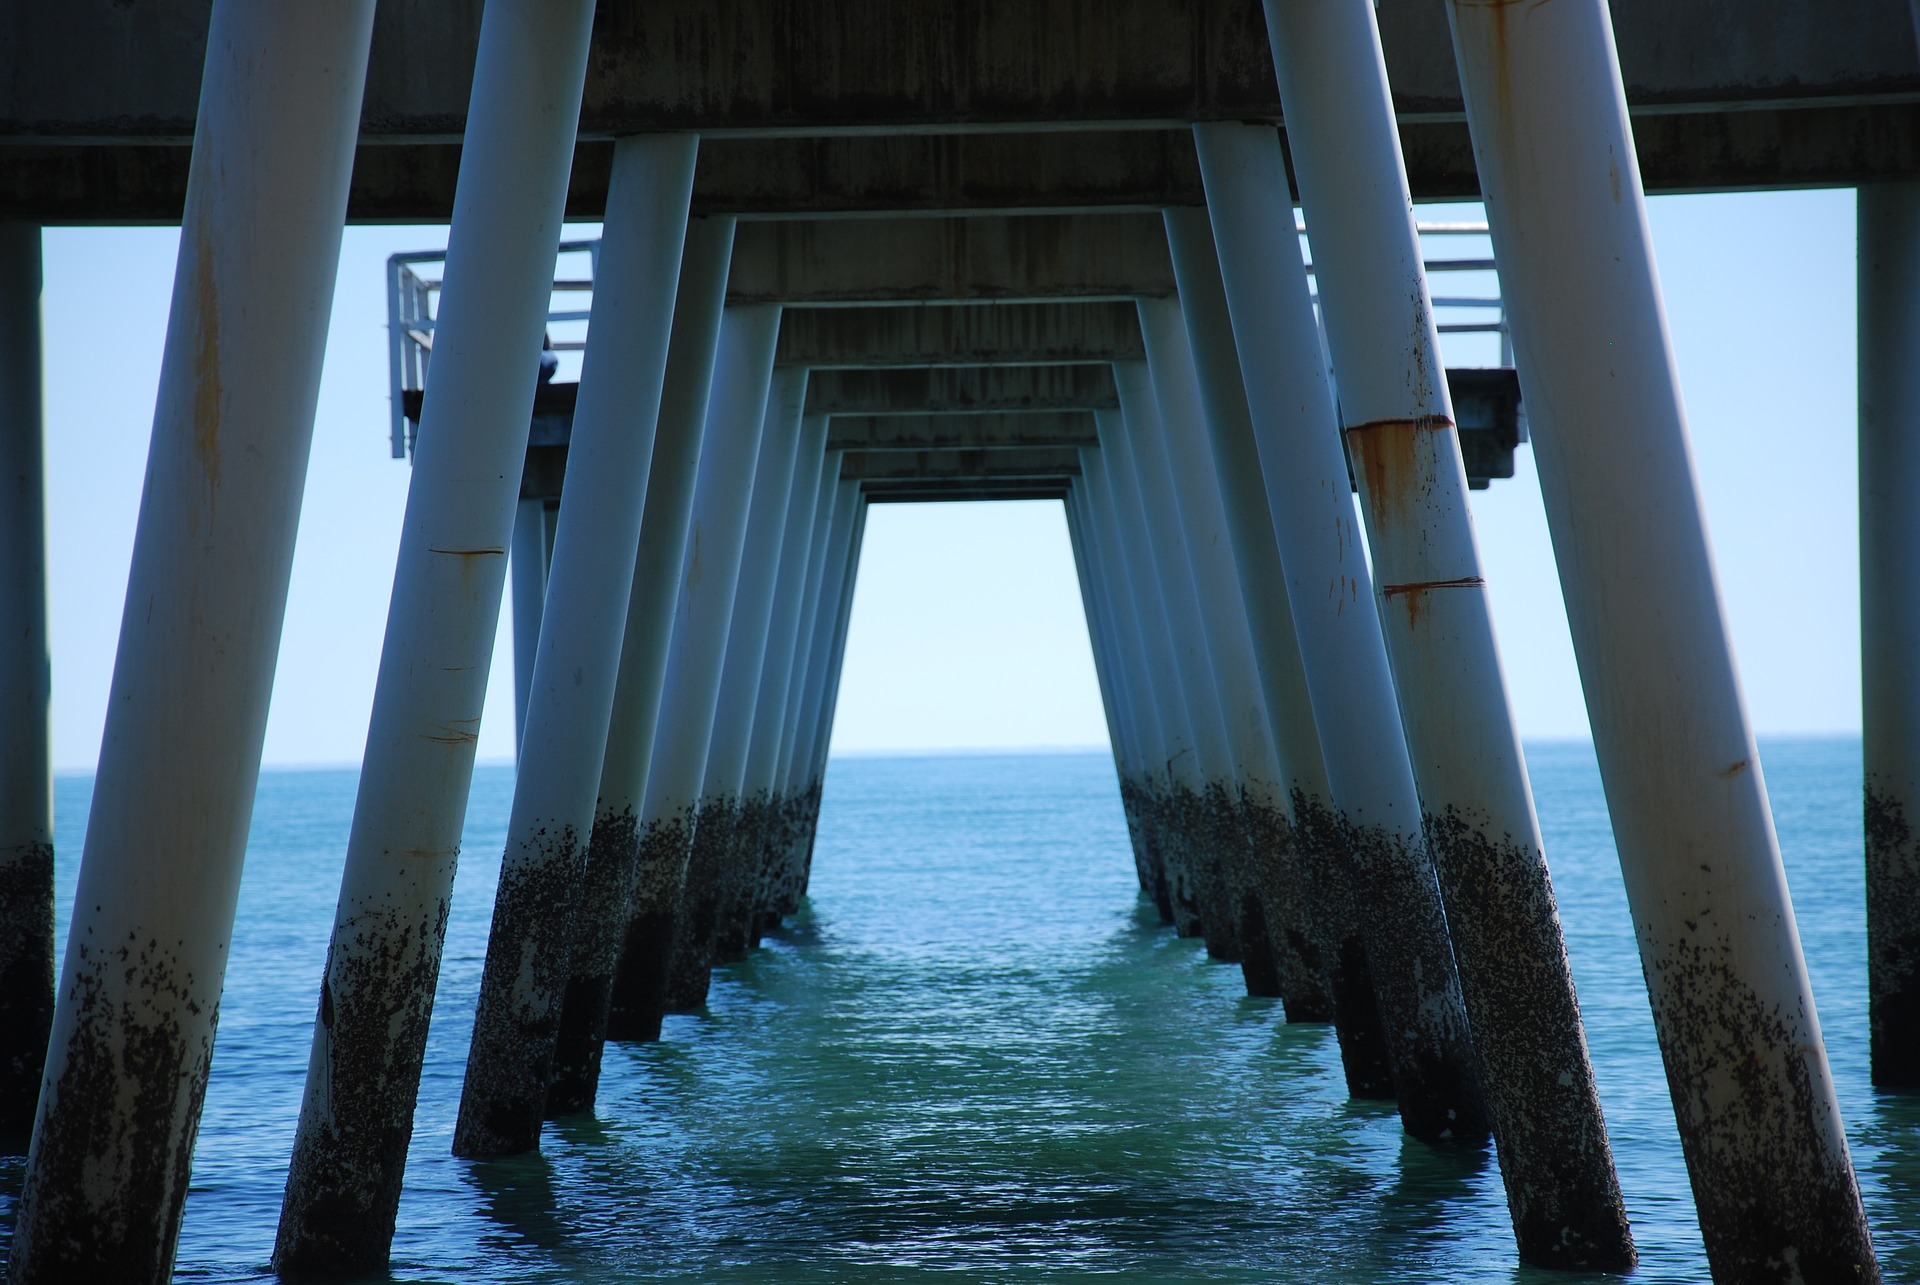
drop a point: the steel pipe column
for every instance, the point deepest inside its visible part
(376, 998)
(1183, 849)
(723, 491)
(1889, 223)
(1331, 591)
(1476, 803)
(1269, 894)
(527, 562)
(530, 948)
(799, 789)
(715, 883)
(139, 994)
(1751, 1087)
(809, 514)
(26, 779)
(835, 660)
(601, 918)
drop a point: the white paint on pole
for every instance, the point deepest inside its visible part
(1330, 589)
(139, 992)
(529, 951)
(1752, 1090)
(527, 562)
(1477, 807)
(723, 492)
(343, 1186)
(26, 778)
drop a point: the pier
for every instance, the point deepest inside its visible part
(1158, 263)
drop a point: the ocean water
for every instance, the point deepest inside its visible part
(976, 1055)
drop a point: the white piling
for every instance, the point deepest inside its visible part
(1751, 1087)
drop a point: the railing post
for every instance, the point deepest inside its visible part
(1752, 1091)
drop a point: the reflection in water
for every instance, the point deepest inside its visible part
(975, 1054)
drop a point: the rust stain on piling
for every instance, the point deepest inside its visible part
(1414, 592)
(1396, 461)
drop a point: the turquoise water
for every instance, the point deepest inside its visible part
(976, 1054)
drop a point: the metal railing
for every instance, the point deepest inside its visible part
(413, 294)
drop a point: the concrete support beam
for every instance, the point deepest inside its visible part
(1013, 259)
(1049, 463)
(1758, 1120)
(756, 66)
(963, 432)
(530, 947)
(1004, 334)
(376, 998)
(1889, 220)
(963, 389)
(669, 816)
(26, 777)
(132, 1036)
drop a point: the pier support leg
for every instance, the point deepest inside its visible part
(723, 490)
(1270, 885)
(1110, 600)
(139, 993)
(1476, 804)
(1889, 222)
(1118, 500)
(797, 785)
(529, 951)
(820, 732)
(613, 852)
(383, 959)
(527, 558)
(808, 517)
(719, 854)
(26, 781)
(1752, 1091)
(1331, 590)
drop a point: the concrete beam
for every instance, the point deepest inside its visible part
(945, 391)
(918, 260)
(121, 181)
(920, 433)
(971, 465)
(1005, 334)
(94, 70)
(962, 492)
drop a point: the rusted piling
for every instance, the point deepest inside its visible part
(1330, 590)
(1752, 1091)
(1477, 807)
(529, 951)
(1889, 272)
(614, 857)
(26, 781)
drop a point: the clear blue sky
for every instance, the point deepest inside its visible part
(967, 628)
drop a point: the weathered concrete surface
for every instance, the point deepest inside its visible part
(935, 390)
(936, 335)
(1787, 92)
(1049, 463)
(1017, 259)
(978, 431)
